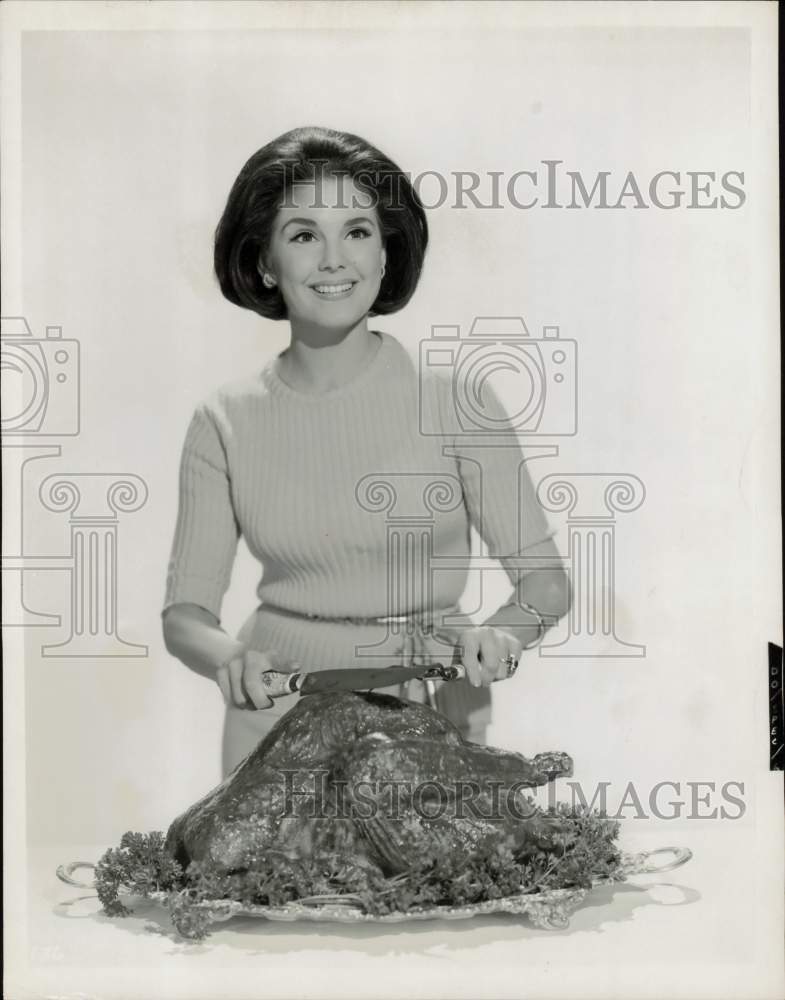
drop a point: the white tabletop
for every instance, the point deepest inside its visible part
(695, 931)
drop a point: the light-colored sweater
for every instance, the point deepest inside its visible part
(301, 476)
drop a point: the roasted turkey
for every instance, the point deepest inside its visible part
(373, 780)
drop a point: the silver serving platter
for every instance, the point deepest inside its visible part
(549, 910)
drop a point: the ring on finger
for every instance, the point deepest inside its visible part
(511, 662)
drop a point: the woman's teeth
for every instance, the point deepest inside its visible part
(333, 289)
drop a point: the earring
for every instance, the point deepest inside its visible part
(268, 281)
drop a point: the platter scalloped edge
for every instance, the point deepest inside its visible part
(548, 910)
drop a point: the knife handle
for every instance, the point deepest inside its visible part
(457, 671)
(277, 684)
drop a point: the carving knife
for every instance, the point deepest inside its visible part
(360, 679)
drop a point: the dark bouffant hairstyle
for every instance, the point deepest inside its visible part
(303, 155)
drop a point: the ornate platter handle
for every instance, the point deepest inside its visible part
(641, 864)
(66, 872)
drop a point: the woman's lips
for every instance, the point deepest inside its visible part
(336, 290)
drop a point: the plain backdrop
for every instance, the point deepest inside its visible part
(130, 142)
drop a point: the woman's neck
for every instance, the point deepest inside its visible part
(319, 361)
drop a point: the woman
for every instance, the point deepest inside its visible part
(314, 458)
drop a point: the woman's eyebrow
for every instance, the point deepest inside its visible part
(312, 222)
(298, 221)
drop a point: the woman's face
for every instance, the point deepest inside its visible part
(326, 253)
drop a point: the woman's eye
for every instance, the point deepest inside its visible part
(299, 237)
(364, 233)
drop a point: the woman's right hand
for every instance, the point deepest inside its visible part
(240, 680)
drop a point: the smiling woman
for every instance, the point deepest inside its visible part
(328, 264)
(284, 184)
(323, 230)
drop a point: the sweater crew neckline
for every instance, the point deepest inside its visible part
(355, 383)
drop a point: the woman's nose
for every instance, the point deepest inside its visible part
(332, 256)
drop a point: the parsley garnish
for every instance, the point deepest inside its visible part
(141, 866)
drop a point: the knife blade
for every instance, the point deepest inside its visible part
(278, 684)
(364, 678)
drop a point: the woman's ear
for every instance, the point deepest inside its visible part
(268, 278)
(383, 256)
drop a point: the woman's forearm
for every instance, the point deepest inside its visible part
(194, 637)
(547, 590)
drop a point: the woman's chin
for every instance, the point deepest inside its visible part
(333, 315)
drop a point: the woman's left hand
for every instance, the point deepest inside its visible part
(485, 651)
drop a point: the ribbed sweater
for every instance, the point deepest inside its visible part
(301, 477)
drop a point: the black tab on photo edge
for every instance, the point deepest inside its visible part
(776, 710)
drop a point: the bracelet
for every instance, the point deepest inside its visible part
(541, 626)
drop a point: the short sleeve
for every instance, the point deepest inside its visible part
(207, 531)
(500, 496)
